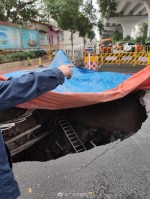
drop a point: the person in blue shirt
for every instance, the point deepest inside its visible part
(15, 91)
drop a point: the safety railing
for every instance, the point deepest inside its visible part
(74, 54)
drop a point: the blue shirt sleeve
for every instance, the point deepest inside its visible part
(15, 91)
(8, 186)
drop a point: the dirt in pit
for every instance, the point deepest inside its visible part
(99, 124)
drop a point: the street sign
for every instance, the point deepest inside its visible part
(90, 50)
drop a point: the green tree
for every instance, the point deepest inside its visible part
(86, 19)
(143, 28)
(100, 26)
(116, 36)
(2, 12)
(65, 12)
(147, 39)
(128, 39)
(18, 11)
(91, 34)
(140, 39)
(108, 8)
(83, 26)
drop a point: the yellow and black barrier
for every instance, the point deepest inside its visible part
(133, 58)
(53, 53)
(127, 58)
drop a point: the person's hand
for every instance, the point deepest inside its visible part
(66, 70)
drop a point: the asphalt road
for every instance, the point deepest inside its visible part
(120, 170)
(123, 68)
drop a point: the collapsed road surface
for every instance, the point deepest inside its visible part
(38, 136)
(119, 170)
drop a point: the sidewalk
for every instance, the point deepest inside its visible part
(46, 63)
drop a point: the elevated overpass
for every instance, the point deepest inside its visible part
(131, 12)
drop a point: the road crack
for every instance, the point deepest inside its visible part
(98, 156)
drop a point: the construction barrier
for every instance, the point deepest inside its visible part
(93, 64)
(53, 53)
(127, 58)
(133, 58)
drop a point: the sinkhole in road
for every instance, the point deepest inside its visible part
(41, 137)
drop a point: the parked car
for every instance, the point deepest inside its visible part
(129, 47)
(148, 46)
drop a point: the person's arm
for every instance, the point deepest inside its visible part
(15, 91)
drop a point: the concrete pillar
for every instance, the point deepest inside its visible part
(147, 5)
(127, 28)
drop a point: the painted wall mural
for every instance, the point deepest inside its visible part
(9, 37)
(29, 38)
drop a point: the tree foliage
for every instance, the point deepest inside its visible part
(128, 39)
(108, 8)
(147, 39)
(64, 12)
(91, 34)
(117, 36)
(86, 20)
(100, 26)
(142, 38)
(83, 26)
(73, 15)
(143, 29)
(18, 11)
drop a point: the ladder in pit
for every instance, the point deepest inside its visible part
(71, 134)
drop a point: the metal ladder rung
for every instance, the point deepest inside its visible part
(73, 138)
(65, 124)
(67, 127)
(78, 145)
(80, 150)
(68, 130)
(75, 141)
(71, 134)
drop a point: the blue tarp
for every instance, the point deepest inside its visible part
(83, 80)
